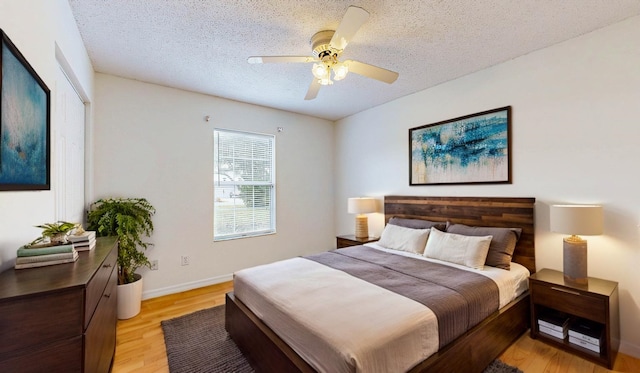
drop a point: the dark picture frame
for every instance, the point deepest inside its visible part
(472, 149)
(25, 123)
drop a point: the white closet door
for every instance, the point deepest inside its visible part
(68, 151)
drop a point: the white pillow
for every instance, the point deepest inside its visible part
(405, 239)
(470, 251)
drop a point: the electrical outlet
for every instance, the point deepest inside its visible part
(154, 265)
(184, 260)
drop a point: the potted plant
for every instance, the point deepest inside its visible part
(55, 233)
(130, 220)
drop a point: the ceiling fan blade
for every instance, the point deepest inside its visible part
(353, 19)
(280, 59)
(313, 90)
(371, 71)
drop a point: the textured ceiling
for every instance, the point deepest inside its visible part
(203, 45)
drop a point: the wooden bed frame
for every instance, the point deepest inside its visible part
(472, 351)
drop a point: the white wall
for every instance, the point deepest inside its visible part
(153, 142)
(36, 27)
(576, 110)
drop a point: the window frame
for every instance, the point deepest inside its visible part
(235, 184)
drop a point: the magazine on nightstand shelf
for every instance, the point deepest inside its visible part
(586, 330)
(555, 321)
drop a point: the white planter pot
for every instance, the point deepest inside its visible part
(130, 298)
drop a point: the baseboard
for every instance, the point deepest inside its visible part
(629, 349)
(185, 286)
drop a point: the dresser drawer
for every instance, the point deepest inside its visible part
(100, 336)
(35, 321)
(63, 356)
(571, 301)
(98, 282)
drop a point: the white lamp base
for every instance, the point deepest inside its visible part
(362, 226)
(575, 260)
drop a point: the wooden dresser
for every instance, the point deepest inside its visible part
(61, 318)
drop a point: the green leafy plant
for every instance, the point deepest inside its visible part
(130, 220)
(56, 232)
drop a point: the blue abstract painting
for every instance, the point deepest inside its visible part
(469, 149)
(24, 124)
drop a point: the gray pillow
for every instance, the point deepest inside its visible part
(417, 223)
(502, 245)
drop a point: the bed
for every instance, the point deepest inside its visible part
(470, 351)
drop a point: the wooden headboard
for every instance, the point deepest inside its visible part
(506, 212)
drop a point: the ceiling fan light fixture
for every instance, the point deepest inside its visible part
(320, 70)
(340, 71)
(325, 81)
(327, 46)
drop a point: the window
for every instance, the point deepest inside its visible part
(244, 184)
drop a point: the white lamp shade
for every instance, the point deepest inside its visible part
(576, 219)
(360, 205)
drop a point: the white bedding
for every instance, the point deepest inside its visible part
(510, 283)
(328, 318)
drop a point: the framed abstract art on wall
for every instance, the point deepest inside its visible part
(24, 123)
(474, 148)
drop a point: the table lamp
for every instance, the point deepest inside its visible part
(576, 220)
(361, 206)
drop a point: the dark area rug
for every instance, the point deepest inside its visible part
(498, 366)
(198, 343)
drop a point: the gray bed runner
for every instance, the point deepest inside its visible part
(460, 299)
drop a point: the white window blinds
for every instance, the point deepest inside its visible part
(244, 184)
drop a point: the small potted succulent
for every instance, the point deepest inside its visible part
(54, 233)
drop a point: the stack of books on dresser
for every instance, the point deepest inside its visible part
(83, 241)
(30, 257)
(586, 334)
(554, 324)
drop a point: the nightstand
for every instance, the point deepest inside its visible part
(351, 240)
(595, 302)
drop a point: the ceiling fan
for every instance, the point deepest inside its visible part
(327, 46)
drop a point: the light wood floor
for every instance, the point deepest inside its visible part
(140, 342)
